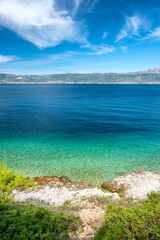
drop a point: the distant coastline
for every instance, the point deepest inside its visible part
(3, 83)
(151, 76)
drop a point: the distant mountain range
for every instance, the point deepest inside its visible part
(150, 76)
(153, 71)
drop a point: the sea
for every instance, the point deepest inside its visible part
(87, 132)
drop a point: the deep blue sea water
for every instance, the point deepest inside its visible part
(86, 132)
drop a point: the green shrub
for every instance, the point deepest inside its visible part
(137, 223)
(10, 181)
(18, 222)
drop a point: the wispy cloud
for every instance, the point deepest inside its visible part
(124, 49)
(77, 4)
(99, 49)
(153, 34)
(45, 60)
(90, 4)
(133, 26)
(61, 56)
(105, 34)
(39, 21)
(4, 59)
(82, 6)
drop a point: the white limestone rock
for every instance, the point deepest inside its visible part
(136, 184)
(59, 195)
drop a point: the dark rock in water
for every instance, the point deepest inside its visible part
(140, 170)
(105, 185)
(64, 179)
(54, 180)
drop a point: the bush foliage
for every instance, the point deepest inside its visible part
(31, 222)
(137, 223)
(10, 181)
(18, 222)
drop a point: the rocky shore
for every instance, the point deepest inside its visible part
(54, 191)
(134, 185)
(57, 191)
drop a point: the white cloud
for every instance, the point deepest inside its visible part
(133, 26)
(153, 34)
(99, 49)
(105, 34)
(61, 56)
(77, 3)
(4, 59)
(39, 22)
(82, 6)
(90, 4)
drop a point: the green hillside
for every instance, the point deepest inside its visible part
(138, 78)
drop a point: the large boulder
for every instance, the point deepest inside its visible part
(134, 185)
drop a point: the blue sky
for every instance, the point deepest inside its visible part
(59, 36)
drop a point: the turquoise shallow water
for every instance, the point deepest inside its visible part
(86, 132)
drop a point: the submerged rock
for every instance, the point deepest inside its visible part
(44, 180)
(48, 180)
(134, 185)
(54, 181)
(64, 179)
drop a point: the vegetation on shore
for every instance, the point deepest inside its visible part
(136, 223)
(18, 221)
(124, 219)
(9, 181)
(26, 221)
